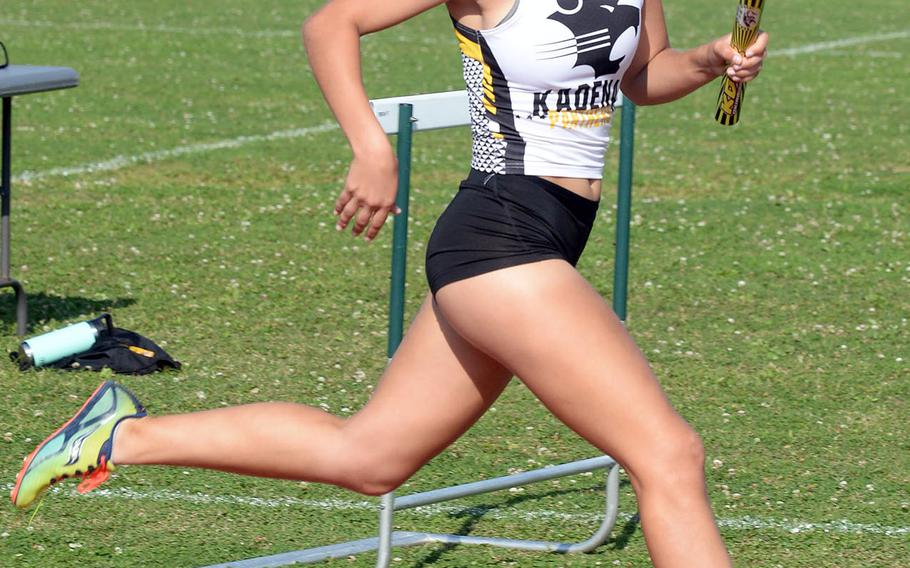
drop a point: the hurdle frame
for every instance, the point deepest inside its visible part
(402, 116)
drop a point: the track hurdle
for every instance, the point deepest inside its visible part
(402, 116)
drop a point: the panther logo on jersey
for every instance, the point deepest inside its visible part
(595, 25)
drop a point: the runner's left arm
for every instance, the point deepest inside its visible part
(660, 74)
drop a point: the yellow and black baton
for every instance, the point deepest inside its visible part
(745, 30)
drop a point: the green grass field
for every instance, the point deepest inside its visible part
(770, 283)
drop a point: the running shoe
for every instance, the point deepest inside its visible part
(79, 448)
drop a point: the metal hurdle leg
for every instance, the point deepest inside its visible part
(442, 110)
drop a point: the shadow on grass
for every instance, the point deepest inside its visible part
(621, 540)
(473, 514)
(44, 307)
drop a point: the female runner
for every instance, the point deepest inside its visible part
(505, 298)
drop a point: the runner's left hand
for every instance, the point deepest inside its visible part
(741, 68)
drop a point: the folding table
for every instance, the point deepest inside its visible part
(16, 80)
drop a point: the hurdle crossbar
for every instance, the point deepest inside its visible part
(402, 116)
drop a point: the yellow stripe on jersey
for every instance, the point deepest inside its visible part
(472, 49)
(468, 47)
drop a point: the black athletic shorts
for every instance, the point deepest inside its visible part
(497, 221)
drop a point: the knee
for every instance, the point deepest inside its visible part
(676, 461)
(370, 474)
(689, 451)
(367, 482)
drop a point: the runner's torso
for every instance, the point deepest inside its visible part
(543, 81)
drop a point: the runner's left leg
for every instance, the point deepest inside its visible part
(436, 386)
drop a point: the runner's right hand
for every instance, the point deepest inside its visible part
(369, 192)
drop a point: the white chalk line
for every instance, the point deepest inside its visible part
(867, 54)
(844, 42)
(841, 526)
(141, 27)
(120, 162)
(154, 28)
(162, 28)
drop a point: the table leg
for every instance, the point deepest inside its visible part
(5, 189)
(5, 280)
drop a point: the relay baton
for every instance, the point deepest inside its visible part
(745, 30)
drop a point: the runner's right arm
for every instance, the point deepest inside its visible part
(332, 39)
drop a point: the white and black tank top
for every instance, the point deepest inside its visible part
(542, 84)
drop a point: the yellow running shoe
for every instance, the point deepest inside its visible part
(79, 448)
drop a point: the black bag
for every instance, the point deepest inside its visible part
(121, 350)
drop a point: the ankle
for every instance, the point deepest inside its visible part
(123, 440)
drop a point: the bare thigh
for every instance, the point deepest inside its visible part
(557, 334)
(435, 387)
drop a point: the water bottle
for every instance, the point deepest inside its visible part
(55, 345)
